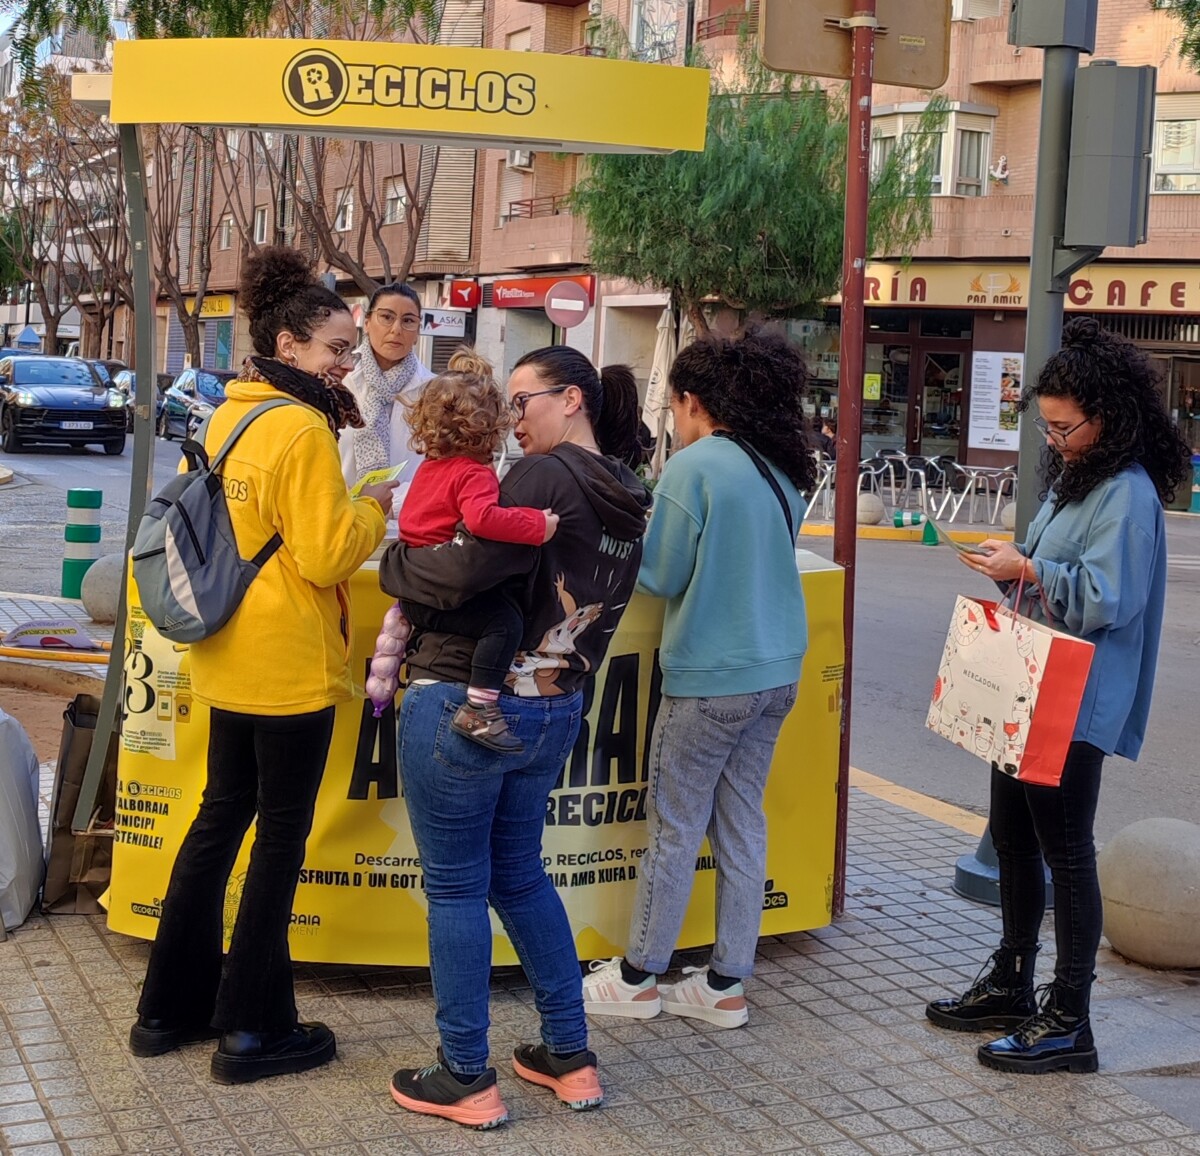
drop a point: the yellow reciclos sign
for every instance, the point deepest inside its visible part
(466, 97)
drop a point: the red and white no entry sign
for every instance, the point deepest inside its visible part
(567, 304)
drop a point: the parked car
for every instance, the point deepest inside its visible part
(192, 396)
(126, 381)
(58, 400)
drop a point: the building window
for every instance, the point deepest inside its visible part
(933, 163)
(970, 172)
(232, 139)
(882, 148)
(225, 234)
(395, 202)
(1177, 156)
(260, 225)
(343, 220)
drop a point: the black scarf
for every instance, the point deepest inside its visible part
(331, 397)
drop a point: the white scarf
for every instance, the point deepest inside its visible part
(380, 390)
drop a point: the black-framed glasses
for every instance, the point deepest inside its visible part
(388, 318)
(521, 400)
(1058, 435)
(342, 354)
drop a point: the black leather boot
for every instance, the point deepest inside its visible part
(1000, 999)
(242, 1057)
(1058, 1038)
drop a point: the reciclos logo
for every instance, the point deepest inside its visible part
(316, 82)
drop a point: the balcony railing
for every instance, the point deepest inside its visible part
(585, 50)
(550, 206)
(731, 23)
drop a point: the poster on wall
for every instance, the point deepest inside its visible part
(995, 393)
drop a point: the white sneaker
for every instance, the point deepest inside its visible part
(694, 998)
(605, 993)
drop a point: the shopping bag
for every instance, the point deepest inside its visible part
(1008, 690)
(79, 866)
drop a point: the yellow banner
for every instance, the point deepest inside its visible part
(1115, 288)
(360, 898)
(467, 97)
(214, 305)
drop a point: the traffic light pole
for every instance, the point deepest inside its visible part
(862, 27)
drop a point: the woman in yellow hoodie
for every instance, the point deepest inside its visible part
(271, 675)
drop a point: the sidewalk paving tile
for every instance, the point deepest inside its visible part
(837, 1059)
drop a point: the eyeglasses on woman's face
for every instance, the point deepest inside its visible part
(343, 354)
(1059, 437)
(389, 319)
(519, 401)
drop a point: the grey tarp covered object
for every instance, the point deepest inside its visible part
(22, 859)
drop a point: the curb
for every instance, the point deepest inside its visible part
(48, 680)
(905, 534)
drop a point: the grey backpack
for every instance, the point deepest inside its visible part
(189, 573)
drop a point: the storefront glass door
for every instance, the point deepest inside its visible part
(940, 405)
(885, 419)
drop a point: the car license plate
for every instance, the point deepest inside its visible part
(77, 425)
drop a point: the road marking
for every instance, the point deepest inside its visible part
(925, 805)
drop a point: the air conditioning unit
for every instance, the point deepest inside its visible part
(595, 8)
(520, 159)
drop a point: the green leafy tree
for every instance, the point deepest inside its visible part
(755, 220)
(1187, 13)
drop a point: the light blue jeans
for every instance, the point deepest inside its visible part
(709, 762)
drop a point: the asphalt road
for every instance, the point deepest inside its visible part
(904, 597)
(905, 594)
(33, 507)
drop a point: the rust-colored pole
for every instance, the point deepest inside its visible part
(850, 378)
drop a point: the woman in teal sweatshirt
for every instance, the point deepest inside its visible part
(1098, 552)
(721, 550)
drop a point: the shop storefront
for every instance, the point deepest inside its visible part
(944, 364)
(513, 318)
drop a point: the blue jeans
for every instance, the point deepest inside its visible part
(477, 817)
(709, 762)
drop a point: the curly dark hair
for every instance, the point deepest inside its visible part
(279, 291)
(460, 413)
(754, 384)
(1111, 379)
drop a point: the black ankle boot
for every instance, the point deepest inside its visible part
(1000, 999)
(1058, 1038)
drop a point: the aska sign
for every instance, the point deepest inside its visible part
(532, 292)
(443, 322)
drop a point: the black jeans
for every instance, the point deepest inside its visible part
(492, 618)
(1030, 822)
(263, 766)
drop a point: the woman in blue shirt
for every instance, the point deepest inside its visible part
(720, 549)
(1097, 549)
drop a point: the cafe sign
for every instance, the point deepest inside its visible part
(1099, 288)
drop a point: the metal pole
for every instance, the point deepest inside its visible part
(142, 471)
(1044, 321)
(850, 377)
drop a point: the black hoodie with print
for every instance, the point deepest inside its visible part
(572, 590)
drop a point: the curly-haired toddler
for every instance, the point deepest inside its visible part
(458, 421)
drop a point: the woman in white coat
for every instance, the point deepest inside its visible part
(388, 372)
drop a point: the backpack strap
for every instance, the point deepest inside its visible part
(240, 428)
(763, 469)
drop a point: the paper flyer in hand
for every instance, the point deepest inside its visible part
(375, 477)
(958, 547)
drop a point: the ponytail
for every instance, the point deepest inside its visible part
(616, 428)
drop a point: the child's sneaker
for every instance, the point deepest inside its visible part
(573, 1081)
(693, 997)
(605, 993)
(486, 726)
(433, 1091)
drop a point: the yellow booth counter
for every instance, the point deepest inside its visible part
(360, 898)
